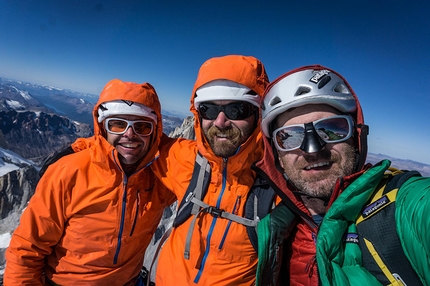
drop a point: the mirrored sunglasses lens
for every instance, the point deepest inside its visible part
(239, 111)
(208, 111)
(290, 138)
(333, 129)
(233, 111)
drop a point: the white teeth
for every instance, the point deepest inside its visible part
(321, 164)
(129, 145)
(222, 135)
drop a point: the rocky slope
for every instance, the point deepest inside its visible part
(18, 179)
(34, 135)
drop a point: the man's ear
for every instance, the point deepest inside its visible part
(281, 163)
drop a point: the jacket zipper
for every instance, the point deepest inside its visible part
(310, 265)
(235, 207)
(214, 219)
(121, 226)
(137, 212)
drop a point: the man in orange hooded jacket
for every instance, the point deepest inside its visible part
(224, 101)
(94, 212)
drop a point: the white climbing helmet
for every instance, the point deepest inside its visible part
(307, 85)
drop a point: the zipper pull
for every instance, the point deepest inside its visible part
(310, 266)
(277, 253)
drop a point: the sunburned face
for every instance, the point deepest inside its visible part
(225, 135)
(130, 146)
(315, 173)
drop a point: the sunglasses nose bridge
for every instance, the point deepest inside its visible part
(221, 119)
(128, 128)
(312, 142)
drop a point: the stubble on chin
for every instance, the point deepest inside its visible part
(224, 148)
(321, 183)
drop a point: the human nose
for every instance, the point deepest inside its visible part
(129, 132)
(221, 120)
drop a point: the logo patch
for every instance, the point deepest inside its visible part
(375, 206)
(351, 238)
(319, 75)
(128, 102)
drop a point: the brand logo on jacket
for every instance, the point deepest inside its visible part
(375, 206)
(351, 238)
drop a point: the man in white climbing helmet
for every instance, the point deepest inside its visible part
(333, 220)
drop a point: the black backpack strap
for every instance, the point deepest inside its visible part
(397, 180)
(198, 187)
(262, 194)
(54, 157)
(382, 251)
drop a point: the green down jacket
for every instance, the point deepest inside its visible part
(340, 263)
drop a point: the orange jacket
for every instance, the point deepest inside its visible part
(87, 223)
(221, 252)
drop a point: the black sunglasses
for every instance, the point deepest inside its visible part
(233, 111)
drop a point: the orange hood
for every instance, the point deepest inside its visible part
(246, 70)
(144, 94)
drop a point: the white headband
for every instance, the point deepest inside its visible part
(124, 107)
(223, 89)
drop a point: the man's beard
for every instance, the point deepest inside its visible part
(226, 148)
(322, 184)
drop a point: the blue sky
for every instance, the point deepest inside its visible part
(381, 47)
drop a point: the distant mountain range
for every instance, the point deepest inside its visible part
(38, 119)
(67, 113)
(57, 99)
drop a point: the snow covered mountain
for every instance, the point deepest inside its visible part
(18, 179)
(16, 95)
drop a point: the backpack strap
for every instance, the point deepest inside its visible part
(261, 199)
(216, 212)
(54, 157)
(382, 252)
(197, 188)
(259, 202)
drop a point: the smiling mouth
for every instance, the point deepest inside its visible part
(129, 145)
(221, 135)
(318, 165)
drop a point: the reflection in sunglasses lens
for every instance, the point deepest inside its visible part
(233, 111)
(331, 130)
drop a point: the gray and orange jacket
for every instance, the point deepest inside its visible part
(221, 252)
(88, 223)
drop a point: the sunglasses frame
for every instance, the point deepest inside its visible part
(348, 118)
(250, 107)
(130, 123)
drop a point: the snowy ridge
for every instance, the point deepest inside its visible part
(10, 161)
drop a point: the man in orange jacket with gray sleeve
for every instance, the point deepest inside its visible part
(94, 212)
(211, 246)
